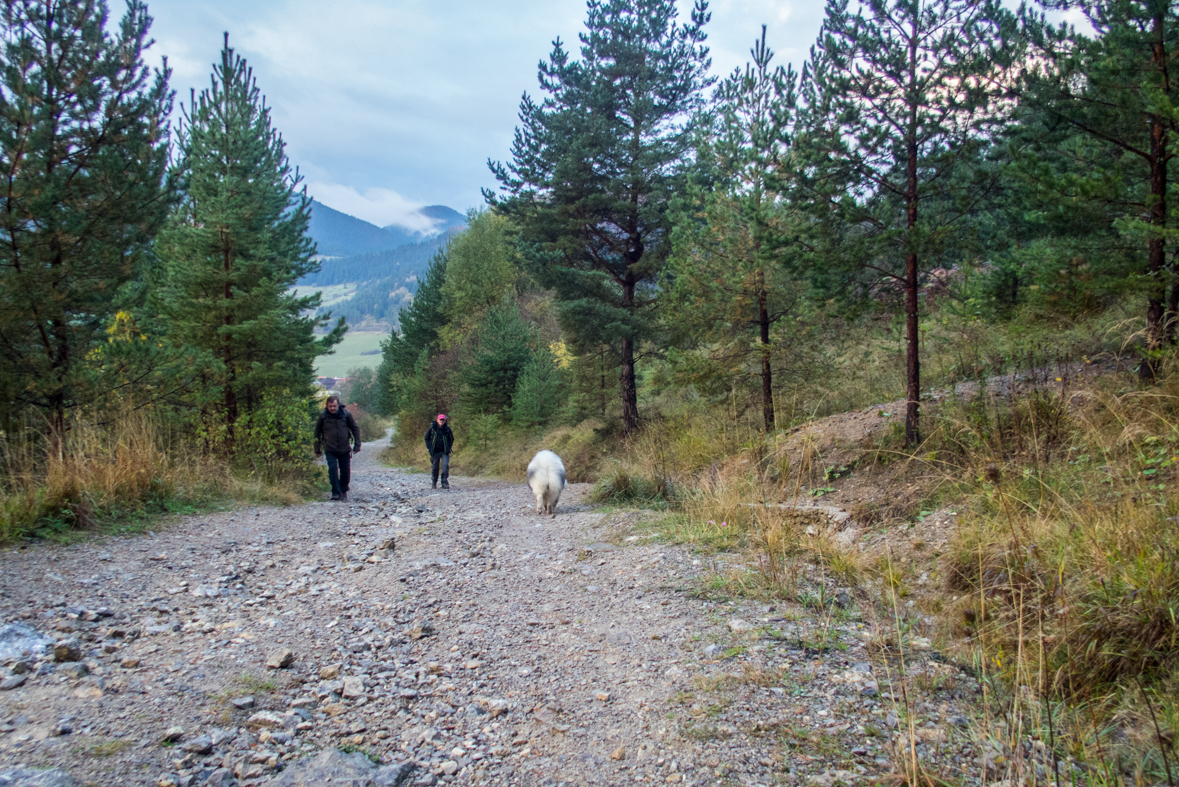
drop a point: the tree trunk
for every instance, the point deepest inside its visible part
(1156, 260)
(602, 381)
(230, 396)
(630, 397)
(767, 381)
(913, 362)
(1172, 306)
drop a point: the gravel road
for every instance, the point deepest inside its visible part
(457, 631)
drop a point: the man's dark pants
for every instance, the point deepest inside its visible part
(339, 470)
(440, 463)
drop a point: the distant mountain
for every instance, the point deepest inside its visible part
(386, 261)
(447, 218)
(444, 219)
(340, 235)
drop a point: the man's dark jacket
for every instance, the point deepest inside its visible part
(439, 439)
(332, 430)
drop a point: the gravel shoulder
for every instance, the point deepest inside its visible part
(458, 631)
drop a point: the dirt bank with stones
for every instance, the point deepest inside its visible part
(451, 636)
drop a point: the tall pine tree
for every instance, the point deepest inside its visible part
(728, 286)
(235, 246)
(595, 165)
(419, 324)
(902, 92)
(83, 152)
(1119, 92)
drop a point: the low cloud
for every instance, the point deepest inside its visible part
(377, 205)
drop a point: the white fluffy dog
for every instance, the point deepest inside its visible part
(546, 478)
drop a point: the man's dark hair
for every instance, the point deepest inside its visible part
(332, 398)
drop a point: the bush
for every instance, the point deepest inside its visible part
(622, 486)
(371, 427)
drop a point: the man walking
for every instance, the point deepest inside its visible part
(439, 439)
(332, 433)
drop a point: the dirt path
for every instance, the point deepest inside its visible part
(490, 646)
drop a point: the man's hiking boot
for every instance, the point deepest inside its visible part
(446, 485)
(335, 495)
(434, 485)
(343, 497)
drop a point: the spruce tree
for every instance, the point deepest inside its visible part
(901, 95)
(729, 287)
(595, 165)
(235, 246)
(84, 146)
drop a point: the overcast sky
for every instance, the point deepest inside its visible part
(389, 105)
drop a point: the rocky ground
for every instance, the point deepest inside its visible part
(451, 636)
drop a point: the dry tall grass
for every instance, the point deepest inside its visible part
(115, 473)
(1068, 570)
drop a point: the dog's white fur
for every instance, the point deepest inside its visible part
(546, 478)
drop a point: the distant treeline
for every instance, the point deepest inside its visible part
(376, 300)
(398, 263)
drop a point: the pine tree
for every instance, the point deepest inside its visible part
(234, 247)
(501, 355)
(419, 325)
(726, 264)
(1119, 92)
(538, 394)
(84, 146)
(902, 97)
(595, 165)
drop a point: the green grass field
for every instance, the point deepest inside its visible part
(330, 295)
(348, 355)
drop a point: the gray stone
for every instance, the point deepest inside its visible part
(280, 659)
(353, 687)
(713, 650)
(202, 744)
(173, 734)
(35, 777)
(394, 775)
(20, 640)
(222, 777)
(21, 667)
(265, 719)
(221, 736)
(420, 630)
(241, 703)
(13, 682)
(333, 766)
(73, 669)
